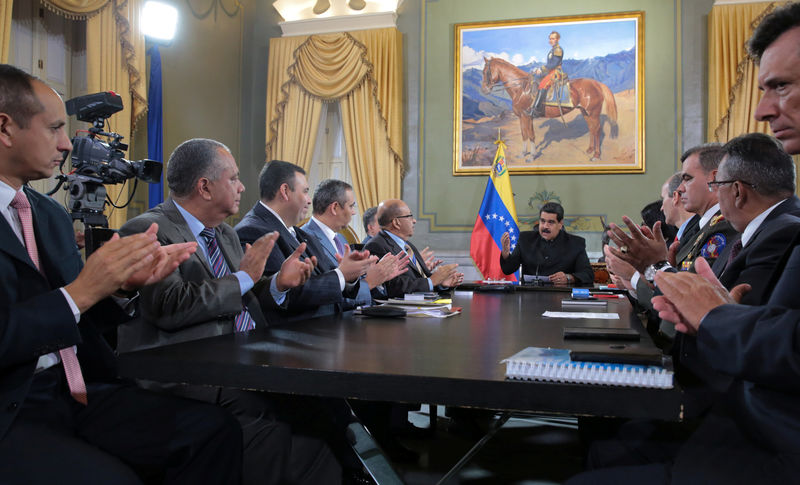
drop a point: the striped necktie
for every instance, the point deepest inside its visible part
(72, 368)
(220, 268)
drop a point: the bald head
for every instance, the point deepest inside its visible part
(389, 209)
(395, 216)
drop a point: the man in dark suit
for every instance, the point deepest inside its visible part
(548, 251)
(397, 227)
(220, 290)
(283, 204)
(755, 185)
(82, 424)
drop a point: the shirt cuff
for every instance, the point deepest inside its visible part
(277, 295)
(72, 305)
(430, 284)
(245, 281)
(635, 279)
(341, 279)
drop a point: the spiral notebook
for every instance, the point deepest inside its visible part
(546, 364)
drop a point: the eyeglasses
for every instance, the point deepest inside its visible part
(403, 217)
(715, 184)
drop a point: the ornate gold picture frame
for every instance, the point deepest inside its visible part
(566, 94)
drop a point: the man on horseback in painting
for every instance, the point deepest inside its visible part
(549, 72)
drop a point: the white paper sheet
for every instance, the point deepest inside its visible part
(600, 316)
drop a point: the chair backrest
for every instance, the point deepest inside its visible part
(350, 235)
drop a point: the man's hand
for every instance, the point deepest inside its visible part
(617, 266)
(442, 273)
(80, 238)
(294, 272)
(389, 267)
(454, 280)
(430, 259)
(505, 240)
(639, 249)
(111, 265)
(622, 282)
(354, 264)
(559, 278)
(164, 262)
(672, 254)
(167, 259)
(255, 255)
(688, 297)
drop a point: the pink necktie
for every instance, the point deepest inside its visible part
(72, 368)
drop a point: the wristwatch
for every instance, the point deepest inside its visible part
(650, 272)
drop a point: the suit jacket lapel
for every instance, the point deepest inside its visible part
(11, 245)
(425, 273)
(183, 233)
(273, 222)
(314, 229)
(397, 249)
(54, 272)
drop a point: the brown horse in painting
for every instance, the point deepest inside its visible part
(587, 95)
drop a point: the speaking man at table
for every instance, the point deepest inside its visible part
(66, 418)
(397, 227)
(548, 251)
(220, 290)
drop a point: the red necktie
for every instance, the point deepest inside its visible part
(72, 368)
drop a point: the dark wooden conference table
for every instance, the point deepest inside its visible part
(452, 361)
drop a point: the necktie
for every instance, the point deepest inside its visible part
(243, 320)
(735, 250)
(339, 244)
(72, 368)
(410, 253)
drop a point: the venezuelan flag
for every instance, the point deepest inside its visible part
(497, 215)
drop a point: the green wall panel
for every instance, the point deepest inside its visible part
(450, 203)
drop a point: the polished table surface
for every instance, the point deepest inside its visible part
(452, 361)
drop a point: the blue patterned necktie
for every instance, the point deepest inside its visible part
(243, 321)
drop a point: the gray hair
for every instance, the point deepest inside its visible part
(370, 216)
(329, 191)
(673, 183)
(710, 155)
(191, 161)
(761, 161)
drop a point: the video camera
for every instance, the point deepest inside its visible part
(96, 162)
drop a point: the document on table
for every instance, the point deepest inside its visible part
(600, 316)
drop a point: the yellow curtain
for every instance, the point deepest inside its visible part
(115, 58)
(732, 76)
(75, 9)
(361, 70)
(5, 29)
